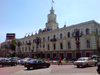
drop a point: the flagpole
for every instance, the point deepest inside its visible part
(51, 4)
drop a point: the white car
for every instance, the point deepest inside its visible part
(23, 61)
(85, 61)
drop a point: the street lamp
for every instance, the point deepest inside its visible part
(37, 41)
(18, 44)
(77, 34)
(29, 43)
(5, 46)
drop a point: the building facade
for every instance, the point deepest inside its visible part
(58, 42)
(5, 50)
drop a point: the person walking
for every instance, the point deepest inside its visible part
(59, 61)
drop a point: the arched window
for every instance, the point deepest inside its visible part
(54, 36)
(22, 49)
(61, 46)
(88, 43)
(61, 36)
(48, 46)
(26, 42)
(44, 39)
(69, 45)
(29, 48)
(17, 49)
(68, 34)
(87, 31)
(29, 41)
(54, 46)
(97, 44)
(48, 38)
(43, 46)
(26, 49)
(33, 47)
(96, 31)
(23, 42)
(33, 41)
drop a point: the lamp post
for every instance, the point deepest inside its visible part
(5, 49)
(77, 34)
(37, 41)
(29, 45)
(18, 44)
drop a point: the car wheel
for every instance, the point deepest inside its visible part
(2, 65)
(47, 66)
(77, 66)
(87, 65)
(82, 66)
(28, 68)
(95, 64)
(15, 64)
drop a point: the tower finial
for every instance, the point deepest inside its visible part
(51, 8)
(52, 4)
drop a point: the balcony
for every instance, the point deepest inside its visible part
(53, 40)
(29, 43)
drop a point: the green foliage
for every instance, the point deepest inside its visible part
(13, 44)
(35, 57)
(39, 58)
(64, 59)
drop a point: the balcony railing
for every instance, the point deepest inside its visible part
(29, 43)
(53, 40)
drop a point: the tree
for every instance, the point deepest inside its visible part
(13, 46)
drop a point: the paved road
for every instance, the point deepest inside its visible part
(52, 70)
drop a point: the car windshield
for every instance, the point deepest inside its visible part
(80, 59)
(32, 61)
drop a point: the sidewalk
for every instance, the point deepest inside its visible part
(54, 63)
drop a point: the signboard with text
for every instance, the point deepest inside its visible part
(10, 36)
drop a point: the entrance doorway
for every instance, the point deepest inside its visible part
(88, 54)
(69, 56)
(78, 55)
(48, 55)
(32, 55)
(43, 55)
(61, 55)
(54, 56)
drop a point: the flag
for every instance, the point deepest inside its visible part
(46, 28)
(26, 33)
(52, 27)
(32, 32)
(53, 1)
(65, 23)
(35, 31)
(29, 32)
(58, 25)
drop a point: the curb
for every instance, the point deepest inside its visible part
(62, 63)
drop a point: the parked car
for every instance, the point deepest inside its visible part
(5, 61)
(96, 57)
(85, 61)
(23, 61)
(36, 63)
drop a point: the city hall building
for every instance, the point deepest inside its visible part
(55, 42)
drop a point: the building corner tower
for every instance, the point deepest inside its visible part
(51, 24)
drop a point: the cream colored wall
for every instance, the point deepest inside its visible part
(65, 39)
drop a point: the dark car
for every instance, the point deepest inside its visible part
(96, 57)
(36, 63)
(4, 62)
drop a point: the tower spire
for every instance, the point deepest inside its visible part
(52, 4)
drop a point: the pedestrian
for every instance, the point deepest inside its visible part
(59, 61)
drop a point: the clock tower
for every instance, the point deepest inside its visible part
(51, 24)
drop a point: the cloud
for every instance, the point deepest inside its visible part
(98, 21)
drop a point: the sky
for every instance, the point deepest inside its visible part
(24, 16)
